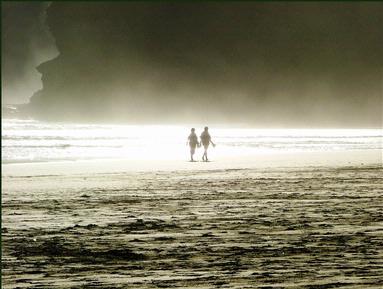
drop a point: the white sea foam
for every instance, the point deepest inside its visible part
(34, 141)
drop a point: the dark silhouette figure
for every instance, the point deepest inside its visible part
(193, 142)
(205, 141)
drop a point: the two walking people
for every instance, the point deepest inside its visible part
(194, 143)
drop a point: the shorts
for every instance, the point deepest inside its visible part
(192, 148)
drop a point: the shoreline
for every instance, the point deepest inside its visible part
(254, 161)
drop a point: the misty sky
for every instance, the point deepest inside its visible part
(265, 64)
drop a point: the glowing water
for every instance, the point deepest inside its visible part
(32, 141)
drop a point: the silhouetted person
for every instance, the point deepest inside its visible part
(205, 141)
(193, 142)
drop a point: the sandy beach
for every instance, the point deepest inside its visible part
(311, 227)
(196, 145)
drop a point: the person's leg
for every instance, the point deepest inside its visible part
(203, 156)
(192, 150)
(205, 153)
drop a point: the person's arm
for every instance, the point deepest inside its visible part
(212, 143)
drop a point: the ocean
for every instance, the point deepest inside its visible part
(35, 141)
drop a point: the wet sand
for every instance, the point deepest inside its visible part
(309, 227)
